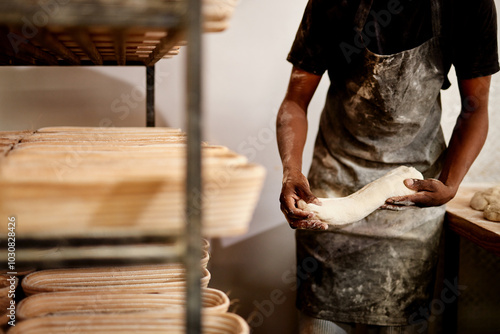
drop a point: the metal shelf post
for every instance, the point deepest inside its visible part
(150, 96)
(193, 181)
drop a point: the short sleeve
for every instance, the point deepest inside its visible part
(308, 50)
(475, 46)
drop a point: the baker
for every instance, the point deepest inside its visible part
(387, 62)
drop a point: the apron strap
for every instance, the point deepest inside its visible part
(436, 17)
(362, 15)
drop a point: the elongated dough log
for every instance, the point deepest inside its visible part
(346, 210)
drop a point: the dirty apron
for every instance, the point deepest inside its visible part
(385, 114)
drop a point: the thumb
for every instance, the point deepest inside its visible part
(414, 184)
(308, 197)
(313, 199)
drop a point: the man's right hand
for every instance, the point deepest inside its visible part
(295, 187)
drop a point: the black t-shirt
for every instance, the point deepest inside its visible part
(326, 38)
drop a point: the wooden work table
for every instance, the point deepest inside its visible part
(463, 222)
(471, 224)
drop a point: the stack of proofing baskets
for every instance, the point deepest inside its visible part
(70, 181)
(133, 299)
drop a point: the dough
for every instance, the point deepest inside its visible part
(492, 212)
(489, 202)
(346, 210)
(481, 199)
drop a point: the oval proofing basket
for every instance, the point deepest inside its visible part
(88, 302)
(130, 279)
(152, 322)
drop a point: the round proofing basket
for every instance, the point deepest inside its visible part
(151, 322)
(205, 245)
(130, 176)
(205, 259)
(5, 287)
(83, 302)
(218, 10)
(4, 319)
(126, 130)
(137, 279)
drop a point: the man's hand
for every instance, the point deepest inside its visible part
(430, 192)
(295, 187)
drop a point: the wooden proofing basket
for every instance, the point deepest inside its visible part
(10, 138)
(130, 279)
(152, 322)
(86, 181)
(87, 302)
(217, 13)
(5, 287)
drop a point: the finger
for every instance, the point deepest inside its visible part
(289, 207)
(316, 201)
(308, 197)
(301, 214)
(421, 185)
(401, 200)
(309, 225)
(394, 207)
(295, 213)
(423, 198)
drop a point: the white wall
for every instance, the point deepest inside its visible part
(245, 80)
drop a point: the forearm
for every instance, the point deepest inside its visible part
(465, 144)
(291, 123)
(291, 128)
(470, 132)
(291, 132)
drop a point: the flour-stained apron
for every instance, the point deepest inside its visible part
(386, 114)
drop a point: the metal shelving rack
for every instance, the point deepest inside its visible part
(35, 33)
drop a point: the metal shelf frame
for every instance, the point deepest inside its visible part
(193, 177)
(27, 36)
(179, 17)
(84, 13)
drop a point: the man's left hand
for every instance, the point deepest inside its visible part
(430, 192)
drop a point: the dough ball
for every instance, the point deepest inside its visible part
(478, 201)
(492, 212)
(481, 199)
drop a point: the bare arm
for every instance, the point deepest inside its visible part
(291, 126)
(465, 144)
